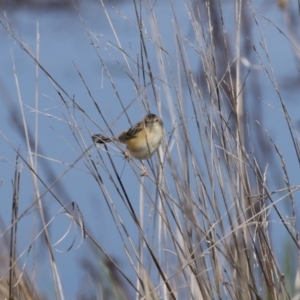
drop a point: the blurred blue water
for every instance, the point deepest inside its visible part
(64, 43)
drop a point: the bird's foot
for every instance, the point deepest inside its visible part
(144, 171)
(127, 155)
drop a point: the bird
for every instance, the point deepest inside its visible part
(142, 139)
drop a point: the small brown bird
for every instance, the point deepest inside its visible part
(142, 139)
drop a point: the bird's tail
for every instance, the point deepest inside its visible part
(99, 138)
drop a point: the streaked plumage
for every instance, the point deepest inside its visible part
(142, 139)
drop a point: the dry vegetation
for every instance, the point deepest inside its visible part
(218, 182)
